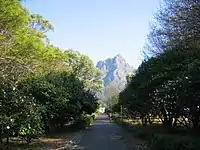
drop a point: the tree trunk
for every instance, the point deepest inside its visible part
(175, 122)
(195, 119)
(149, 120)
(168, 122)
(144, 121)
(195, 122)
(7, 140)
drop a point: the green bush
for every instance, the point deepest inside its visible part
(172, 142)
(89, 120)
(31, 126)
(93, 116)
(28, 132)
(83, 121)
(79, 124)
(118, 120)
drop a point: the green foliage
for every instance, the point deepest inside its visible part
(89, 120)
(85, 70)
(62, 96)
(31, 128)
(83, 121)
(113, 100)
(93, 116)
(164, 90)
(18, 111)
(41, 86)
(165, 85)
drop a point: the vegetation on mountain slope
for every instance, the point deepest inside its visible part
(115, 71)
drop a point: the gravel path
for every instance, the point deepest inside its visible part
(103, 135)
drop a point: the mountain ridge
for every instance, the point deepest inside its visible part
(115, 71)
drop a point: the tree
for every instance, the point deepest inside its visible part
(41, 86)
(85, 70)
(163, 86)
(176, 23)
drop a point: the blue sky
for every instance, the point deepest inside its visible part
(98, 28)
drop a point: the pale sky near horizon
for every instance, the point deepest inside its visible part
(98, 28)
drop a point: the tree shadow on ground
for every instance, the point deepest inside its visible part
(41, 144)
(55, 140)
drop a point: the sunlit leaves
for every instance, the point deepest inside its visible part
(39, 23)
(41, 86)
(83, 66)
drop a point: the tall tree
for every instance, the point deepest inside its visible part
(83, 66)
(176, 23)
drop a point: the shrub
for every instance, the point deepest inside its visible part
(79, 124)
(28, 132)
(31, 126)
(118, 120)
(88, 119)
(146, 132)
(83, 121)
(93, 116)
(172, 142)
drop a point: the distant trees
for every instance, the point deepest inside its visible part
(41, 86)
(111, 96)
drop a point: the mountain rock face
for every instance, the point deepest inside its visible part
(115, 71)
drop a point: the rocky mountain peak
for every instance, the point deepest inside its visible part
(115, 71)
(120, 58)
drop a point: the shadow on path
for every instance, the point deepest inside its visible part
(104, 135)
